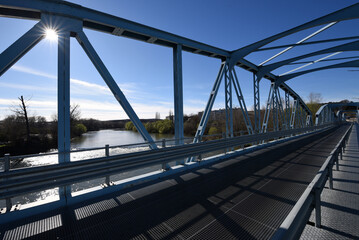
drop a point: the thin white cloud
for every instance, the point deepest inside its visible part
(104, 109)
(32, 103)
(25, 87)
(82, 87)
(196, 102)
(32, 71)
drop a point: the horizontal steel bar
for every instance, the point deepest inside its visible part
(308, 43)
(20, 181)
(95, 148)
(325, 60)
(103, 22)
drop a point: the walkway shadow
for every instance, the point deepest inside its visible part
(174, 207)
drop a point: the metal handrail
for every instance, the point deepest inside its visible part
(24, 180)
(293, 225)
(93, 149)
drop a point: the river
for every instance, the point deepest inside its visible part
(112, 137)
(92, 139)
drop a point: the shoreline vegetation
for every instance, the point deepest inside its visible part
(20, 134)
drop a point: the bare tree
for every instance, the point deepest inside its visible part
(75, 113)
(315, 98)
(22, 111)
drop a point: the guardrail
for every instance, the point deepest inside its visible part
(293, 225)
(15, 182)
(161, 143)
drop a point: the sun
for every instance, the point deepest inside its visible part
(51, 34)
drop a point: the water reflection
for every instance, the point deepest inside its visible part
(89, 140)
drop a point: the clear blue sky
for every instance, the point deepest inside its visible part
(144, 71)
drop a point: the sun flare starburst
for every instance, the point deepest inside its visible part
(51, 34)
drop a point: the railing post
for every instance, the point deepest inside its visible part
(7, 169)
(330, 173)
(224, 137)
(163, 142)
(7, 162)
(318, 214)
(165, 166)
(341, 153)
(337, 160)
(200, 156)
(107, 152)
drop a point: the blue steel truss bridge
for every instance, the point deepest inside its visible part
(296, 179)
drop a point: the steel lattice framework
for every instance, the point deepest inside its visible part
(70, 20)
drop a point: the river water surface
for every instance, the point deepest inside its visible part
(93, 139)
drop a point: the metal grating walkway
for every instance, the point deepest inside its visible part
(246, 197)
(340, 206)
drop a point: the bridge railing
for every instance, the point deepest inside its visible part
(294, 224)
(21, 181)
(105, 150)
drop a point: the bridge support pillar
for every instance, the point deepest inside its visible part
(63, 105)
(178, 96)
(63, 97)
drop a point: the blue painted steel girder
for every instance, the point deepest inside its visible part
(349, 64)
(347, 13)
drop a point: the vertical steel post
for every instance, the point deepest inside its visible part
(281, 113)
(7, 169)
(308, 120)
(178, 96)
(165, 166)
(6, 162)
(287, 109)
(63, 96)
(318, 214)
(228, 103)
(330, 172)
(63, 105)
(275, 110)
(200, 156)
(107, 150)
(268, 108)
(292, 116)
(257, 107)
(178, 93)
(107, 153)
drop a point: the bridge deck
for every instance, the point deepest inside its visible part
(340, 206)
(246, 197)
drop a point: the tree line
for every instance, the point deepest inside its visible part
(24, 134)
